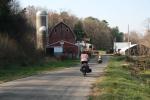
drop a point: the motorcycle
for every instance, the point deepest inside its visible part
(99, 60)
(85, 69)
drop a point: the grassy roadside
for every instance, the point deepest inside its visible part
(119, 84)
(15, 71)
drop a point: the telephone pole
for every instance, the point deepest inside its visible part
(128, 41)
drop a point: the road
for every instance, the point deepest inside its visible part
(66, 84)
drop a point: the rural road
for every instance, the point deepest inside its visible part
(65, 84)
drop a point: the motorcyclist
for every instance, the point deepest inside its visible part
(84, 57)
(99, 59)
(84, 61)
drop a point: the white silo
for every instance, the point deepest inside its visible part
(41, 29)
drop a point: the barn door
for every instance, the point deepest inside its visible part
(50, 51)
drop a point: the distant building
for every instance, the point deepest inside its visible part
(138, 50)
(121, 47)
(123, 50)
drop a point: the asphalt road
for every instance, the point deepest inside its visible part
(66, 84)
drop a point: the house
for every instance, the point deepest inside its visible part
(61, 41)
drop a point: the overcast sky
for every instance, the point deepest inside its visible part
(117, 12)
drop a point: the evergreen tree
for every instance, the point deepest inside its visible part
(79, 31)
(5, 14)
(117, 36)
(12, 20)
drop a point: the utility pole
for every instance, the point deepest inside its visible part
(128, 41)
(148, 27)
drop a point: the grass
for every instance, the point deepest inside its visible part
(118, 84)
(102, 52)
(15, 71)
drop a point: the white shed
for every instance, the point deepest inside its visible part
(119, 45)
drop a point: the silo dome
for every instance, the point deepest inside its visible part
(39, 13)
(42, 28)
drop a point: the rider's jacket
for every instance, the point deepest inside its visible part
(84, 57)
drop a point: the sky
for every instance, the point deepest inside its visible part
(119, 13)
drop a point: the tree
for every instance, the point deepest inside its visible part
(104, 21)
(117, 36)
(68, 18)
(31, 15)
(134, 37)
(15, 45)
(64, 16)
(5, 8)
(5, 13)
(99, 32)
(12, 19)
(146, 39)
(78, 30)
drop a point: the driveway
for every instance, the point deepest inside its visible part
(66, 84)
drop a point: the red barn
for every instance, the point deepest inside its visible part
(61, 41)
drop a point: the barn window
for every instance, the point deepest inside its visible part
(67, 30)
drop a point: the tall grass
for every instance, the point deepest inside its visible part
(8, 50)
(119, 84)
(12, 52)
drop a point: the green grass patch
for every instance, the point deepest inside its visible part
(118, 84)
(13, 72)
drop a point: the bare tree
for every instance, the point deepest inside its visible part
(134, 37)
(99, 32)
(31, 15)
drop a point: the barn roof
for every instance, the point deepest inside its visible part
(64, 25)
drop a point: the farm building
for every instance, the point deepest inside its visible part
(138, 50)
(119, 45)
(122, 51)
(61, 41)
